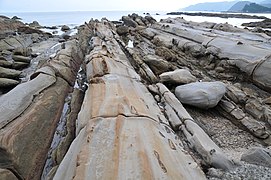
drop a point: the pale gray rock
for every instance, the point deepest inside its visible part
(180, 119)
(201, 94)
(258, 156)
(18, 99)
(261, 74)
(147, 33)
(179, 76)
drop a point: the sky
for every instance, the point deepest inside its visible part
(95, 5)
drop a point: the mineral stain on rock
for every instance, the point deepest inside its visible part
(181, 100)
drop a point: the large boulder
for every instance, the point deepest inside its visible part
(179, 76)
(35, 24)
(129, 21)
(122, 30)
(65, 28)
(257, 155)
(201, 94)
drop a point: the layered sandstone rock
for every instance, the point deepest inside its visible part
(117, 122)
(137, 137)
(31, 112)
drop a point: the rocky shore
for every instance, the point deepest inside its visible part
(136, 99)
(221, 15)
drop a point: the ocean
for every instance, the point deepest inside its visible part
(76, 18)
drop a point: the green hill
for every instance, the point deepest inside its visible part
(239, 6)
(256, 8)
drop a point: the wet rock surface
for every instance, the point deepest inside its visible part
(130, 101)
(263, 24)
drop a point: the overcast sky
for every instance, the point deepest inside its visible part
(95, 5)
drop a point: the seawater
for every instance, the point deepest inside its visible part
(69, 18)
(75, 18)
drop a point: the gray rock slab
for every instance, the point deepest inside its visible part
(201, 94)
(258, 156)
(18, 99)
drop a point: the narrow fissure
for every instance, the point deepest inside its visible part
(62, 128)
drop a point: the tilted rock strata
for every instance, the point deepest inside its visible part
(241, 48)
(33, 109)
(129, 125)
(138, 137)
(180, 119)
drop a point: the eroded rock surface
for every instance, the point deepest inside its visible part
(257, 156)
(31, 112)
(116, 100)
(110, 102)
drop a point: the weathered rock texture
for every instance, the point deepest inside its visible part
(258, 156)
(31, 112)
(137, 137)
(120, 115)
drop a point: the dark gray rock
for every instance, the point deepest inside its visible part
(21, 58)
(34, 24)
(22, 51)
(7, 83)
(19, 65)
(122, 30)
(65, 28)
(16, 18)
(6, 64)
(150, 19)
(9, 73)
(129, 22)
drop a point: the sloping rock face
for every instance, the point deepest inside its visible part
(101, 109)
(258, 156)
(138, 136)
(9, 25)
(31, 112)
(16, 55)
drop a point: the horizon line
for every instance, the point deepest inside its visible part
(146, 11)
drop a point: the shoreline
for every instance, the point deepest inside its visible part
(172, 99)
(221, 15)
(77, 18)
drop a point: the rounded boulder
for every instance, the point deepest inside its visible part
(203, 95)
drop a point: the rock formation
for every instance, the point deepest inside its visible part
(184, 101)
